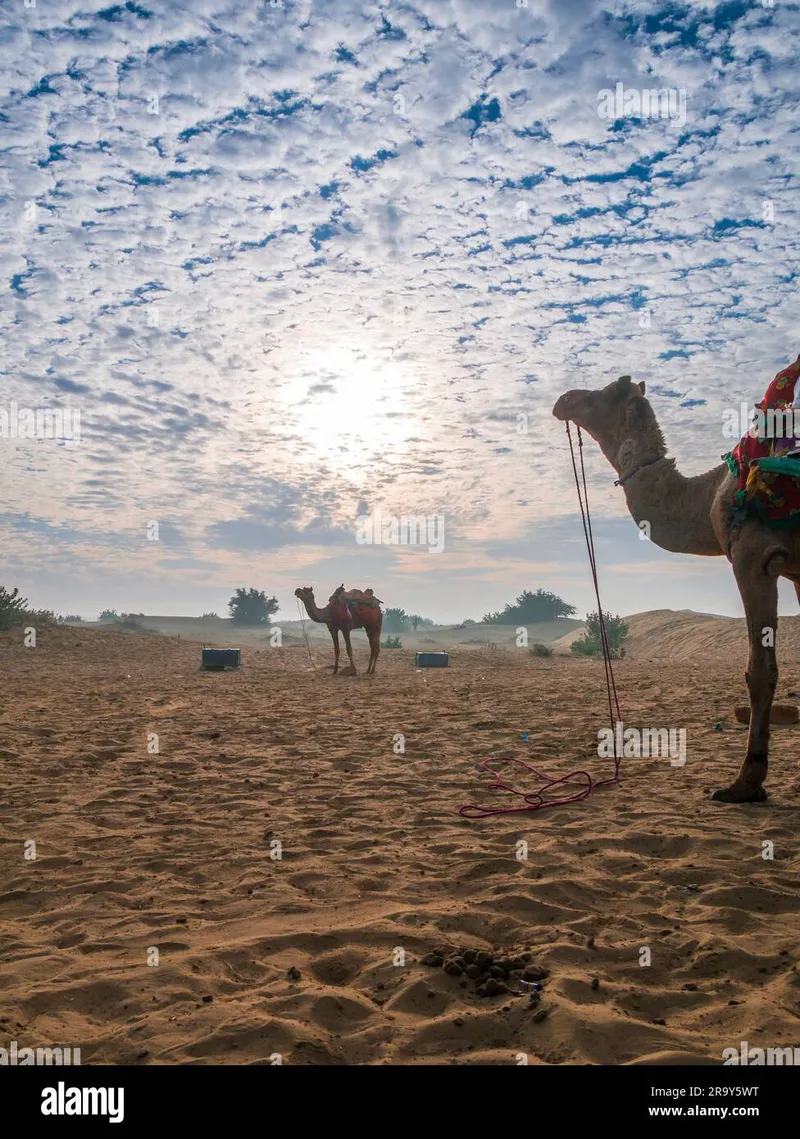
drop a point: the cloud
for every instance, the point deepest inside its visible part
(332, 252)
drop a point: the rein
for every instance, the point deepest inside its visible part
(534, 800)
(305, 635)
(630, 474)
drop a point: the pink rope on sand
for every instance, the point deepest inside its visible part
(534, 800)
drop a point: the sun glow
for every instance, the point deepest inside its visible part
(347, 405)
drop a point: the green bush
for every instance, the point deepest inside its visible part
(392, 643)
(13, 608)
(541, 650)
(591, 644)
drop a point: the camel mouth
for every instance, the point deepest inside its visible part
(560, 410)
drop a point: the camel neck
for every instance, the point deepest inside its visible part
(321, 615)
(676, 509)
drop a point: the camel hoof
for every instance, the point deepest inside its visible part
(737, 793)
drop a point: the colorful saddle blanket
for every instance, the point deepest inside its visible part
(346, 602)
(766, 461)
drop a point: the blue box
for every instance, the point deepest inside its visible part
(431, 660)
(217, 660)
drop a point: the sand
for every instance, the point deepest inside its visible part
(171, 851)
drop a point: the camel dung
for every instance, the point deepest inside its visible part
(492, 973)
(434, 959)
(780, 714)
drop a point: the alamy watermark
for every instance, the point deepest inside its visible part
(643, 743)
(774, 423)
(647, 103)
(14, 1056)
(406, 530)
(758, 1057)
(62, 423)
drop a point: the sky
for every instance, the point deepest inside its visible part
(282, 266)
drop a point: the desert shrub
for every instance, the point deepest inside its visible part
(109, 615)
(13, 607)
(69, 619)
(208, 616)
(591, 643)
(538, 649)
(391, 643)
(41, 617)
(130, 621)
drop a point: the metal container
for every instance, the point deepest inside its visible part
(431, 660)
(217, 660)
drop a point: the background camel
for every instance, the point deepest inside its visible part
(695, 516)
(338, 616)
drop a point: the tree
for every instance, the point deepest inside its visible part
(208, 616)
(251, 607)
(13, 607)
(530, 609)
(591, 643)
(395, 620)
(418, 622)
(69, 619)
(109, 615)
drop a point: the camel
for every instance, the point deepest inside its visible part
(340, 617)
(695, 516)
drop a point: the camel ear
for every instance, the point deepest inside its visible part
(642, 388)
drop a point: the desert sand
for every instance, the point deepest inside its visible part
(297, 957)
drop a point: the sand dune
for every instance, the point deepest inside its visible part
(302, 956)
(664, 634)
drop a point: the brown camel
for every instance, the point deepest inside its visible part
(341, 617)
(695, 516)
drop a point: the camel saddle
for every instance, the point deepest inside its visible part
(347, 601)
(767, 471)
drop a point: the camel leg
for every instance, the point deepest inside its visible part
(334, 632)
(374, 649)
(349, 647)
(757, 578)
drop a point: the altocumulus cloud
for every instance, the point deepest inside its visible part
(339, 249)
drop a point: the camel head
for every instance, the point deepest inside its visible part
(608, 415)
(305, 593)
